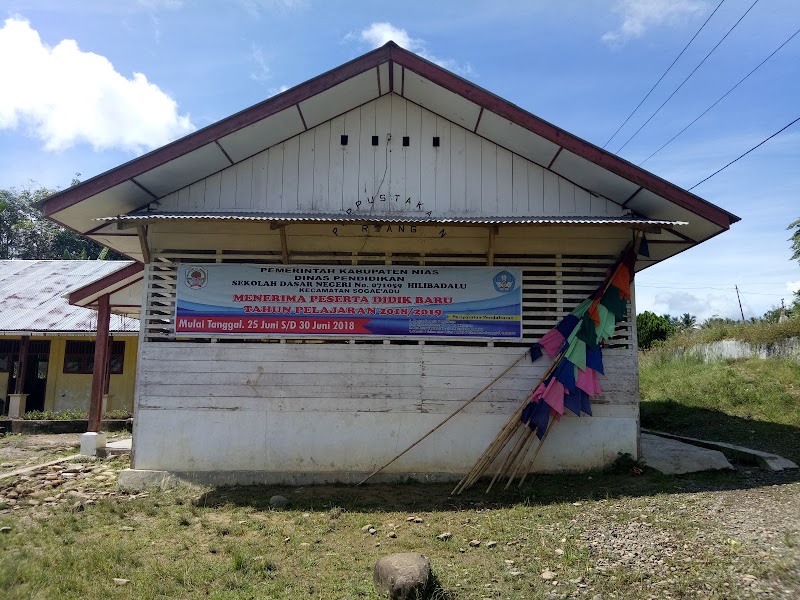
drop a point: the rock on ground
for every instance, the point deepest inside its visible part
(404, 576)
(279, 502)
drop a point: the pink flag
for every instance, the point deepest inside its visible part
(596, 377)
(538, 393)
(588, 381)
(554, 395)
(552, 342)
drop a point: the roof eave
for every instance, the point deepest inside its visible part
(108, 284)
(562, 138)
(137, 166)
(393, 53)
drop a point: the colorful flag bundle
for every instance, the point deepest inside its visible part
(575, 347)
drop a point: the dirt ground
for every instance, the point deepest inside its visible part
(18, 451)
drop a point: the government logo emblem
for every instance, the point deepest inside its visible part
(504, 281)
(196, 277)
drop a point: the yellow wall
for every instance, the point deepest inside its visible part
(69, 390)
(3, 384)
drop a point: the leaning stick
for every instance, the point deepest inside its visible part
(490, 453)
(458, 410)
(501, 439)
(522, 455)
(506, 463)
(508, 431)
(535, 454)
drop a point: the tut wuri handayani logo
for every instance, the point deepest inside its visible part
(196, 277)
(504, 281)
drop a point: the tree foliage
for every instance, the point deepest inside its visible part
(652, 328)
(26, 234)
(795, 239)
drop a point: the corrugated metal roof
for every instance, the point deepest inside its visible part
(389, 218)
(32, 296)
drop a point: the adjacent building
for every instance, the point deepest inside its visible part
(47, 346)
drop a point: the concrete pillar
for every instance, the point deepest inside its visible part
(101, 356)
(16, 405)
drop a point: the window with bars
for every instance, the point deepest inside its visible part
(79, 357)
(9, 349)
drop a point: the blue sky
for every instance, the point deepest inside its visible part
(89, 84)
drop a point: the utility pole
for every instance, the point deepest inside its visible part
(740, 301)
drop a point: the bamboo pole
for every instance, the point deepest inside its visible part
(523, 454)
(535, 454)
(489, 455)
(501, 439)
(511, 427)
(505, 464)
(458, 410)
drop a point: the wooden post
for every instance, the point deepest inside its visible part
(100, 363)
(19, 386)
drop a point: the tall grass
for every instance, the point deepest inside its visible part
(754, 333)
(752, 402)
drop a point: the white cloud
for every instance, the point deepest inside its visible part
(640, 15)
(793, 287)
(161, 4)
(153, 7)
(377, 34)
(278, 90)
(702, 306)
(261, 72)
(65, 96)
(257, 7)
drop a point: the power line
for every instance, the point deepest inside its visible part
(663, 75)
(699, 289)
(635, 133)
(774, 52)
(655, 282)
(745, 154)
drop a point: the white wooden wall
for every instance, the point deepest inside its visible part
(314, 172)
(270, 409)
(330, 412)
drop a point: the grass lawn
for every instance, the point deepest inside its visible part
(750, 402)
(616, 534)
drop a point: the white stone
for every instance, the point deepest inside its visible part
(91, 441)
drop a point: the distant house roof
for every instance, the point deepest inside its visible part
(32, 296)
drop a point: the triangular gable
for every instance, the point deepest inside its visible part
(387, 70)
(320, 171)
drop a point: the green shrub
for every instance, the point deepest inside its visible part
(50, 415)
(118, 414)
(651, 328)
(71, 414)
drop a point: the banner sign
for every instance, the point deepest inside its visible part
(306, 300)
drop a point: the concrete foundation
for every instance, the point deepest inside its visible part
(143, 479)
